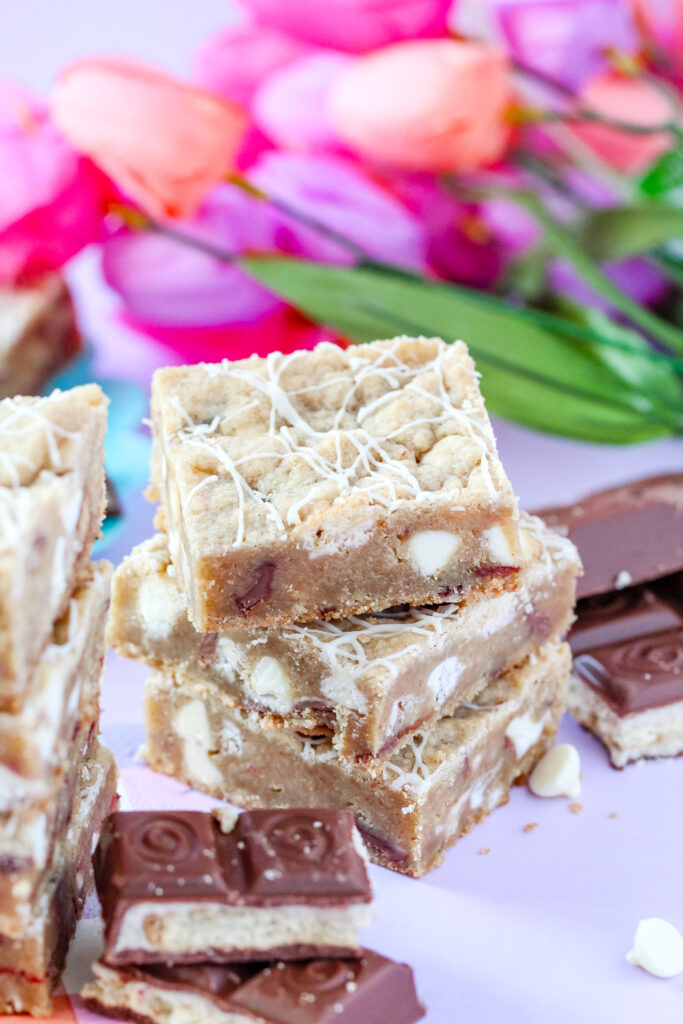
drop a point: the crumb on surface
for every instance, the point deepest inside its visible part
(613, 815)
(575, 807)
(530, 826)
(484, 850)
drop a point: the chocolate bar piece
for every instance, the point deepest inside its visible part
(630, 694)
(627, 614)
(369, 990)
(184, 887)
(625, 535)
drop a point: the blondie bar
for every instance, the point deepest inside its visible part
(31, 963)
(359, 680)
(63, 691)
(326, 483)
(51, 508)
(28, 834)
(38, 335)
(409, 808)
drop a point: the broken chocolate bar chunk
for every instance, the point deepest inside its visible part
(368, 990)
(179, 887)
(627, 614)
(625, 535)
(630, 694)
(636, 674)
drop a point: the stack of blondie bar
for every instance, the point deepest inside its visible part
(344, 608)
(57, 783)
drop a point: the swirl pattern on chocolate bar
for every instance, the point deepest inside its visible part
(165, 839)
(295, 837)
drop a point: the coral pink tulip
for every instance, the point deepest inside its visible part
(50, 196)
(235, 61)
(433, 105)
(633, 101)
(567, 40)
(291, 106)
(164, 143)
(353, 25)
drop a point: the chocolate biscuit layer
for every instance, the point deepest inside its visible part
(372, 988)
(635, 675)
(268, 859)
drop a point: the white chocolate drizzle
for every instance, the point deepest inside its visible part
(338, 460)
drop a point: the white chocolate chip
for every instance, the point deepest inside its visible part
(270, 683)
(191, 722)
(657, 948)
(624, 579)
(432, 550)
(226, 818)
(498, 546)
(160, 605)
(524, 732)
(558, 773)
(531, 546)
(444, 678)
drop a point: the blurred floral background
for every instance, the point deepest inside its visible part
(505, 171)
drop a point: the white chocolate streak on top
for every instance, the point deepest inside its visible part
(344, 649)
(387, 481)
(343, 644)
(23, 420)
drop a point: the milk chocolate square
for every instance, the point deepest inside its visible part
(176, 887)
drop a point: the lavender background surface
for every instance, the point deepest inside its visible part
(536, 930)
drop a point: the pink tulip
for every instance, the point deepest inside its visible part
(291, 106)
(235, 61)
(353, 25)
(282, 330)
(636, 276)
(566, 40)
(50, 197)
(341, 196)
(661, 23)
(163, 281)
(633, 101)
(426, 106)
(165, 143)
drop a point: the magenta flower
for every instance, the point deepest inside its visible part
(353, 25)
(471, 243)
(341, 196)
(51, 197)
(235, 61)
(164, 282)
(566, 40)
(291, 106)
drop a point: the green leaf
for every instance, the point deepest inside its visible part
(530, 374)
(658, 378)
(566, 245)
(629, 230)
(665, 175)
